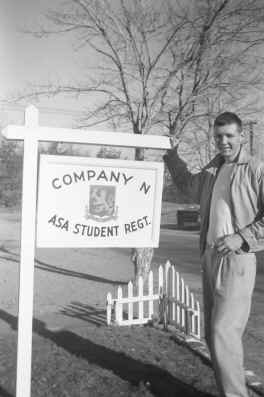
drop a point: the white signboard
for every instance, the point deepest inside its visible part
(92, 202)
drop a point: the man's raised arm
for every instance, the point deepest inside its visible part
(185, 181)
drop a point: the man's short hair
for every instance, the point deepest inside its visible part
(228, 118)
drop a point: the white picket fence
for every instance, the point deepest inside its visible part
(172, 303)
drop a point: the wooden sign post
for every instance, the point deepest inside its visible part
(32, 134)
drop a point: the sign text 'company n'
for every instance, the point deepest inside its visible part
(91, 202)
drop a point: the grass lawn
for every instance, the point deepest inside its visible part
(106, 361)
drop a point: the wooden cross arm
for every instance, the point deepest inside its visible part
(51, 134)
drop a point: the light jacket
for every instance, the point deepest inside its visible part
(247, 195)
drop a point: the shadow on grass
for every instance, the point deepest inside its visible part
(60, 270)
(65, 272)
(85, 312)
(162, 383)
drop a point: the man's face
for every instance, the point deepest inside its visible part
(228, 139)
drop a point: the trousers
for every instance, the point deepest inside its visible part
(228, 284)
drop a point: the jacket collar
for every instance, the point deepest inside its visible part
(242, 158)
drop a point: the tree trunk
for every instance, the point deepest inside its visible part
(141, 257)
(139, 154)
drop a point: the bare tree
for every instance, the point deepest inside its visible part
(130, 42)
(215, 62)
(157, 64)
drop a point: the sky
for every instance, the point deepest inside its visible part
(26, 60)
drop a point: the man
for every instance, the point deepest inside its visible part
(230, 190)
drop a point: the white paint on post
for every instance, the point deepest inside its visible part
(26, 282)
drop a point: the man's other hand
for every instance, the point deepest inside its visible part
(227, 244)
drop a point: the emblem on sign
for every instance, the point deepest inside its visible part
(101, 206)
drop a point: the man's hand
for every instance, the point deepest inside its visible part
(174, 141)
(227, 244)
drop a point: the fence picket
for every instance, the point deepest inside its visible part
(161, 290)
(167, 268)
(178, 314)
(187, 311)
(119, 306)
(173, 294)
(161, 280)
(193, 316)
(198, 320)
(150, 294)
(140, 296)
(108, 308)
(182, 304)
(130, 304)
(168, 305)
